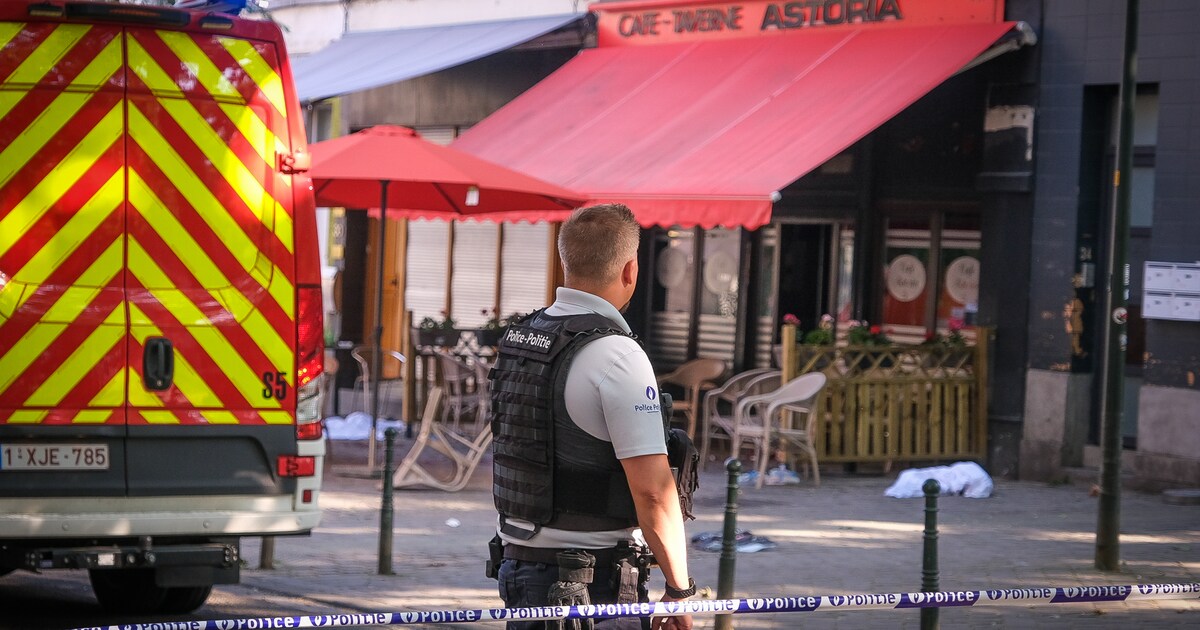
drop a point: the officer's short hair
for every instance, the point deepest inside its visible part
(596, 241)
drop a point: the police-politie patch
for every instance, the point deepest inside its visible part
(528, 339)
(651, 406)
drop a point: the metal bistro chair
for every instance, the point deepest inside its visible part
(694, 377)
(720, 404)
(392, 360)
(758, 417)
(458, 384)
(483, 393)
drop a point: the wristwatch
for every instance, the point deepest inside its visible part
(682, 593)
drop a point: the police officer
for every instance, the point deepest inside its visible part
(579, 460)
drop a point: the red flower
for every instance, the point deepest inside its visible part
(875, 330)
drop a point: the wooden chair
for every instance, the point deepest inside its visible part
(694, 377)
(717, 418)
(463, 451)
(759, 418)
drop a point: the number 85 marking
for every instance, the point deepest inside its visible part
(274, 385)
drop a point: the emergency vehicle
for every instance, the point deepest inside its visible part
(160, 302)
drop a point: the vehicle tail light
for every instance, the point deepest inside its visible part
(310, 337)
(310, 431)
(296, 466)
(309, 400)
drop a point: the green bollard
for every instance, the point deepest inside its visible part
(728, 544)
(385, 511)
(929, 566)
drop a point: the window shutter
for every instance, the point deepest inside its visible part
(425, 294)
(526, 254)
(474, 282)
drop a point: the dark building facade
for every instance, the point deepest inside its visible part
(1079, 73)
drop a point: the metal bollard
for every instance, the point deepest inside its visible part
(266, 553)
(385, 511)
(929, 565)
(728, 544)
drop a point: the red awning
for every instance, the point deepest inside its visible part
(705, 133)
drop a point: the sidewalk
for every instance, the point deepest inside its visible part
(841, 538)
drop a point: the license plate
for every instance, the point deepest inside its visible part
(50, 457)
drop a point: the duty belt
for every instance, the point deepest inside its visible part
(549, 555)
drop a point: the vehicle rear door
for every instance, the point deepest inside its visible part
(62, 245)
(210, 273)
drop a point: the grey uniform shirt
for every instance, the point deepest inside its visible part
(611, 393)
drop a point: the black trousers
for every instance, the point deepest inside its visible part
(525, 584)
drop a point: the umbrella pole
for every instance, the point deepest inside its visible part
(377, 355)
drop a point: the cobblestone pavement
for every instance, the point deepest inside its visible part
(840, 538)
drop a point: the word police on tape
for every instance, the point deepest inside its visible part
(861, 601)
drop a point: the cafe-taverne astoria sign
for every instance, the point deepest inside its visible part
(663, 21)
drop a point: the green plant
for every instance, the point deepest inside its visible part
(430, 323)
(822, 335)
(954, 339)
(494, 322)
(862, 333)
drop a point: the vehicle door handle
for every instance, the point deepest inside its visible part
(158, 363)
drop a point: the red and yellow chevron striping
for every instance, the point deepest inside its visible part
(139, 198)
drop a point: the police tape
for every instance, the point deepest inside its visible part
(782, 604)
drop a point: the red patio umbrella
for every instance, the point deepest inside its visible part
(394, 169)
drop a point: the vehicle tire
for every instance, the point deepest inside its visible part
(128, 591)
(184, 599)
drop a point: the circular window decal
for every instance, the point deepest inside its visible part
(962, 279)
(906, 278)
(720, 273)
(671, 267)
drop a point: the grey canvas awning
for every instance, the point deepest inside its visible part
(368, 59)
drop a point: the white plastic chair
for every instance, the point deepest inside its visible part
(759, 418)
(720, 404)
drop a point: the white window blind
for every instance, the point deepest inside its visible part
(526, 254)
(474, 282)
(425, 294)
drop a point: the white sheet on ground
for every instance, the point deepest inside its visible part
(357, 426)
(965, 478)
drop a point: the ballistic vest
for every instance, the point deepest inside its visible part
(546, 469)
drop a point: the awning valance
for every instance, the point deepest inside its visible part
(364, 60)
(706, 133)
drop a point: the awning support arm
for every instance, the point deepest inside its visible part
(1021, 35)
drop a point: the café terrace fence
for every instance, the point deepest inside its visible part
(896, 403)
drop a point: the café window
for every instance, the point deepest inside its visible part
(719, 294)
(671, 299)
(930, 275)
